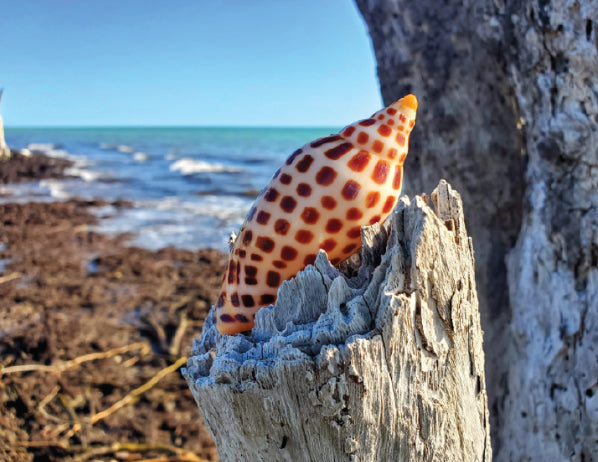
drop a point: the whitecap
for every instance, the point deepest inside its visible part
(187, 166)
(55, 188)
(124, 148)
(140, 156)
(84, 174)
(40, 146)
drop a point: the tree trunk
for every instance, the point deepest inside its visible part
(385, 365)
(508, 95)
(4, 149)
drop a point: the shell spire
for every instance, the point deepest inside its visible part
(318, 199)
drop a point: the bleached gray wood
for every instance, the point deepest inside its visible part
(4, 149)
(508, 114)
(386, 365)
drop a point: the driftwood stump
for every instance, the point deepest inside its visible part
(384, 365)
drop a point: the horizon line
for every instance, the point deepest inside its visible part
(19, 127)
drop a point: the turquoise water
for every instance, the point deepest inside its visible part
(191, 186)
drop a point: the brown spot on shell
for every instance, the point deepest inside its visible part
(247, 236)
(279, 264)
(338, 151)
(304, 236)
(273, 278)
(267, 299)
(309, 259)
(349, 131)
(281, 226)
(293, 156)
(234, 299)
(304, 164)
(262, 217)
(264, 243)
(390, 202)
(288, 253)
(378, 146)
(354, 214)
(310, 215)
(226, 318)
(359, 161)
(241, 318)
(349, 248)
(325, 176)
(248, 301)
(375, 219)
(271, 195)
(363, 138)
(400, 139)
(350, 190)
(372, 199)
(384, 130)
(304, 190)
(326, 139)
(354, 232)
(396, 181)
(256, 257)
(380, 172)
(328, 202)
(285, 178)
(232, 272)
(288, 204)
(334, 225)
(367, 122)
(328, 244)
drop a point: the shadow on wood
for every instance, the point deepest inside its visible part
(384, 365)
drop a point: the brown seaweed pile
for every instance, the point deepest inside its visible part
(92, 334)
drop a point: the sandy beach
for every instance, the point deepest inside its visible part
(92, 333)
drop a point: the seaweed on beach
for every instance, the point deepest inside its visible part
(92, 334)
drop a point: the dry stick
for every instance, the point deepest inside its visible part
(175, 345)
(182, 454)
(10, 277)
(138, 391)
(63, 366)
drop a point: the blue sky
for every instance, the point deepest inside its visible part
(193, 62)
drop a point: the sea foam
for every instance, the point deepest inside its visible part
(188, 166)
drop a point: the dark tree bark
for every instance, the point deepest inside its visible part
(508, 113)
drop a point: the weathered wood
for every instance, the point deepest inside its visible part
(4, 149)
(386, 365)
(508, 94)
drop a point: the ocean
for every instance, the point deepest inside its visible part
(190, 186)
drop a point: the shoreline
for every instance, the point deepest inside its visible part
(67, 292)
